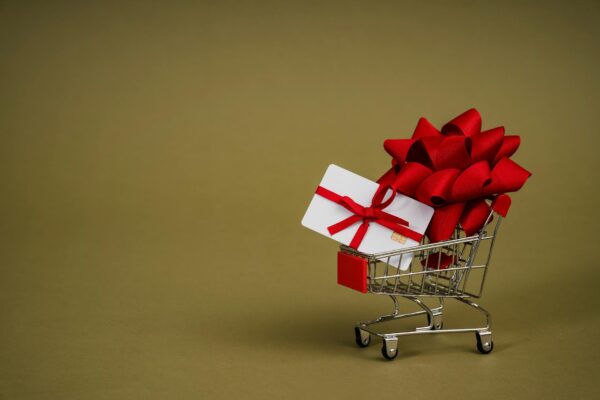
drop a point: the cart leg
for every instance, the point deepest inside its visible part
(396, 306)
(437, 312)
(437, 323)
(386, 317)
(390, 347)
(362, 330)
(485, 344)
(432, 317)
(488, 317)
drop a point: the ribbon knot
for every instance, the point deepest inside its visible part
(365, 215)
(369, 213)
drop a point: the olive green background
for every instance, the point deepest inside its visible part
(157, 158)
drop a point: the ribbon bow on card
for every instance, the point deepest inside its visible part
(366, 215)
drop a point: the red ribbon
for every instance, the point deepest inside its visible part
(454, 170)
(367, 215)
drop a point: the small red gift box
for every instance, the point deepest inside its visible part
(352, 271)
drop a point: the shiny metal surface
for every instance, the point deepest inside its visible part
(462, 279)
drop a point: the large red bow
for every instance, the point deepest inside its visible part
(374, 213)
(454, 170)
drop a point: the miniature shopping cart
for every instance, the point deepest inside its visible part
(455, 268)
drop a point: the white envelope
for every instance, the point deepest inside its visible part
(322, 213)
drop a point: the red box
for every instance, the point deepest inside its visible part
(352, 272)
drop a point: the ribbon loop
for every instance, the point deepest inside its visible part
(455, 170)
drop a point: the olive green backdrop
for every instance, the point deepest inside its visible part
(157, 158)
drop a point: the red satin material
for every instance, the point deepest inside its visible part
(509, 146)
(444, 221)
(466, 124)
(485, 145)
(454, 170)
(424, 128)
(474, 215)
(507, 176)
(453, 152)
(501, 204)
(409, 177)
(472, 182)
(366, 215)
(435, 190)
(398, 148)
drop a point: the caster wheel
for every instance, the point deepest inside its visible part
(486, 345)
(388, 353)
(362, 338)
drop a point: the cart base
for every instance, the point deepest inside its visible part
(363, 330)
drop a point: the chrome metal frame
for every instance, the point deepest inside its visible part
(422, 280)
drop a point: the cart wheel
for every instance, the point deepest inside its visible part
(389, 352)
(362, 338)
(485, 345)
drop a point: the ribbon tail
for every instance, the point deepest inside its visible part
(343, 224)
(359, 235)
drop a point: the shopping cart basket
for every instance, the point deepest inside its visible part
(454, 268)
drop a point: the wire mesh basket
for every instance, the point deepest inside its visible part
(455, 268)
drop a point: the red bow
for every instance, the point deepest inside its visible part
(454, 170)
(373, 213)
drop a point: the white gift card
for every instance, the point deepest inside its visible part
(323, 213)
